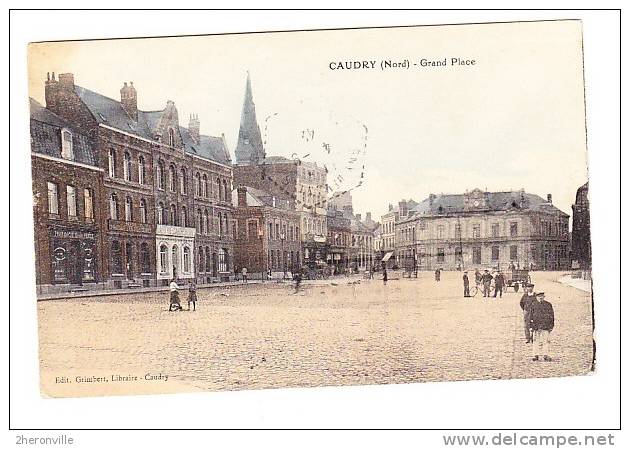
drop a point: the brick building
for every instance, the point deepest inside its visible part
(267, 233)
(388, 230)
(153, 168)
(67, 192)
(339, 239)
(480, 229)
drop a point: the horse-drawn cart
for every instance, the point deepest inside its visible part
(517, 278)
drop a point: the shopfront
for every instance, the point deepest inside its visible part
(73, 256)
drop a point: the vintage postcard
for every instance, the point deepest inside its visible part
(313, 208)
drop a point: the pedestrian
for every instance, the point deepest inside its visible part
(499, 283)
(437, 275)
(244, 274)
(175, 304)
(466, 285)
(477, 276)
(298, 280)
(486, 279)
(385, 276)
(192, 295)
(371, 271)
(542, 322)
(525, 303)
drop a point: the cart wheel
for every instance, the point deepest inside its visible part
(516, 288)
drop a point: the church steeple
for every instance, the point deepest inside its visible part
(249, 149)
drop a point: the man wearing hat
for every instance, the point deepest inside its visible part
(542, 321)
(526, 302)
(486, 279)
(466, 285)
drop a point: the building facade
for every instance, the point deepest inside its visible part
(480, 229)
(267, 234)
(388, 234)
(581, 229)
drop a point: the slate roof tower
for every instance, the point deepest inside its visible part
(249, 149)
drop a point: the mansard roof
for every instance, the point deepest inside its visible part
(46, 136)
(496, 201)
(110, 112)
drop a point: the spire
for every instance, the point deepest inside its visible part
(249, 149)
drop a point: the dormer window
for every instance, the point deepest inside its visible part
(66, 144)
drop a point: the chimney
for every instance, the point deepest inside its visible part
(242, 196)
(51, 91)
(402, 207)
(391, 208)
(358, 217)
(431, 199)
(193, 128)
(129, 100)
(549, 198)
(66, 81)
(368, 217)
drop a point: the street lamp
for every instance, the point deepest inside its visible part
(284, 259)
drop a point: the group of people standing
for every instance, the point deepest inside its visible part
(485, 280)
(176, 303)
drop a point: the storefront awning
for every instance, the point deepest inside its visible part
(387, 256)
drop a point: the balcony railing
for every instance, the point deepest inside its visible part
(129, 226)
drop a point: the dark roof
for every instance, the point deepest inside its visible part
(111, 113)
(496, 201)
(46, 136)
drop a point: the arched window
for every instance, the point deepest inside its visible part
(204, 186)
(173, 215)
(201, 260)
(208, 260)
(160, 175)
(186, 259)
(223, 260)
(127, 166)
(183, 182)
(171, 137)
(172, 186)
(143, 211)
(220, 224)
(117, 260)
(225, 224)
(113, 207)
(112, 163)
(128, 209)
(175, 260)
(199, 224)
(197, 184)
(182, 217)
(160, 213)
(220, 191)
(205, 222)
(145, 258)
(142, 170)
(225, 191)
(163, 258)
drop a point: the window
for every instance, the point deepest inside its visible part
(495, 253)
(53, 198)
(112, 163)
(182, 217)
(145, 258)
(197, 184)
(143, 211)
(160, 213)
(88, 200)
(171, 137)
(440, 255)
(495, 230)
(513, 229)
(225, 191)
(440, 231)
(71, 200)
(513, 252)
(171, 178)
(458, 230)
(476, 231)
(208, 259)
(220, 224)
(142, 170)
(66, 144)
(175, 260)
(476, 255)
(128, 209)
(173, 215)
(223, 260)
(204, 186)
(163, 259)
(183, 182)
(186, 259)
(201, 260)
(117, 260)
(113, 207)
(127, 167)
(160, 175)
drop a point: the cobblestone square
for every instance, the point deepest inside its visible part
(342, 331)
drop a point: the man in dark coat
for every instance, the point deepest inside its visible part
(486, 280)
(437, 275)
(526, 302)
(466, 285)
(499, 283)
(542, 322)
